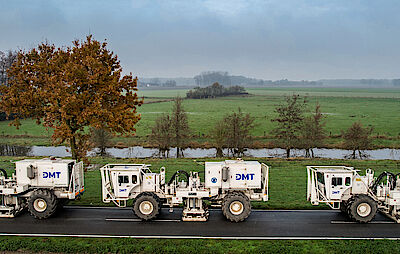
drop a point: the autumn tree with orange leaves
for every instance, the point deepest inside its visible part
(71, 88)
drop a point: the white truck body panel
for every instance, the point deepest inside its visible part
(47, 172)
(360, 184)
(241, 174)
(213, 174)
(337, 184)
(149, 182)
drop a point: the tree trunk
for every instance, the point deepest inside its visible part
(219, 152)
(102, 150)
(177, 152)
(312, 153)
(236, 152)
(354, 154)
(72, 143)
(287, 152)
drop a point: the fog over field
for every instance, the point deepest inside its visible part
(270, 40)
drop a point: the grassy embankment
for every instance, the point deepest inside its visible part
(342, 107)
(107, 245)
(287, 191)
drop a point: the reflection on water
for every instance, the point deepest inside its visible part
(6, 150)
(140, 152)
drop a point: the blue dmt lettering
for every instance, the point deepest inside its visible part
(51, 174)
(244, 176)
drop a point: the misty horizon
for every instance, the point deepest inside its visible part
(273, 40)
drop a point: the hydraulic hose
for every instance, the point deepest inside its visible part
(147, 170)
(392, 180)
(178, 173)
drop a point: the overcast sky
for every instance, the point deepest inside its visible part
(299, 39)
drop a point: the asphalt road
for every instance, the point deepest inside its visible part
(115, 222)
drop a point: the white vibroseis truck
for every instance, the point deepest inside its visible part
(41, 186)
(230, 184)
(359, 197)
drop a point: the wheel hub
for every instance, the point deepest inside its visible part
(40, 205)
(236, 207)
(146, 207)
(363, 209)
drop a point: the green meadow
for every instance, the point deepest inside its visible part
(378, 108)
(193, 246)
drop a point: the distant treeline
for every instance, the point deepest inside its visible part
(210, 77)
(286, 82)
(6, 60)
(374, 83)
(215, 90)
(225, 79)
(157, 82)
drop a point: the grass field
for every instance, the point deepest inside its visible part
(280, 91)
(287, 191)
(108, 245)
(377, 108)
(328, 92)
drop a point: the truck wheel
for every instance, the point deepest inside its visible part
(343, 207)
(236, 207)
(146, 206)
(42, 204)
(363, 209)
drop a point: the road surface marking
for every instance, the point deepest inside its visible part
(353, 222)
(212, 209)
(139, 220)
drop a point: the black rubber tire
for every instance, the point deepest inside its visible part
(48, 197)
(153, 199)
(349, 202)
(238, 197)
(343, 207)
(362, 200)
(160, 202)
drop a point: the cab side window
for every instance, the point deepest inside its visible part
(320, 177)
(347, 181)
(123, 179)
(134, 179)
(337, 181)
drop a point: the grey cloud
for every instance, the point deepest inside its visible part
(302, 39)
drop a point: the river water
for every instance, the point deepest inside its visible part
(141, 152)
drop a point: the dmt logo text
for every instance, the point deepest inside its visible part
(51, 174)
(244, 176)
